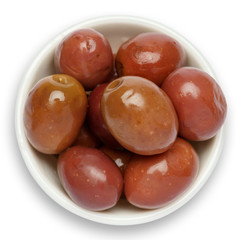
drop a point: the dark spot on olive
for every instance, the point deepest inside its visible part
(119, 67)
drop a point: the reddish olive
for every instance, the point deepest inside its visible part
(86, 138)
(95, 119)
(150, 55)
(86, 55)
(153, 181)
(199, 102)
(90, 178)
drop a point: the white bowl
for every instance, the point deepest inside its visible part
(43, 167)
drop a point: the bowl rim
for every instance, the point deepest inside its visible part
(21, 139)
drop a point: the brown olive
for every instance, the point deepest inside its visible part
(139, 115)
(54, 112)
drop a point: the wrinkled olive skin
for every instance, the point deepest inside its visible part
(54, 112)
(150, 55)
(86, 55)
(139, 115)
(153, 181)
(199, 102)
(90, 178)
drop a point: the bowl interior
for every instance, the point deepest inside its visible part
(43, 167)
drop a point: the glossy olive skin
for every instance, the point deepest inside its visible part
(54, 112)
(199, 101)
(86, 138)
(86, 55)
(153, 181)
(95, 119)
(120, 157)
(90, 178)
(150, 55)
(139, 115)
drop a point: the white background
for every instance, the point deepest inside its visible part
(214, 27)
